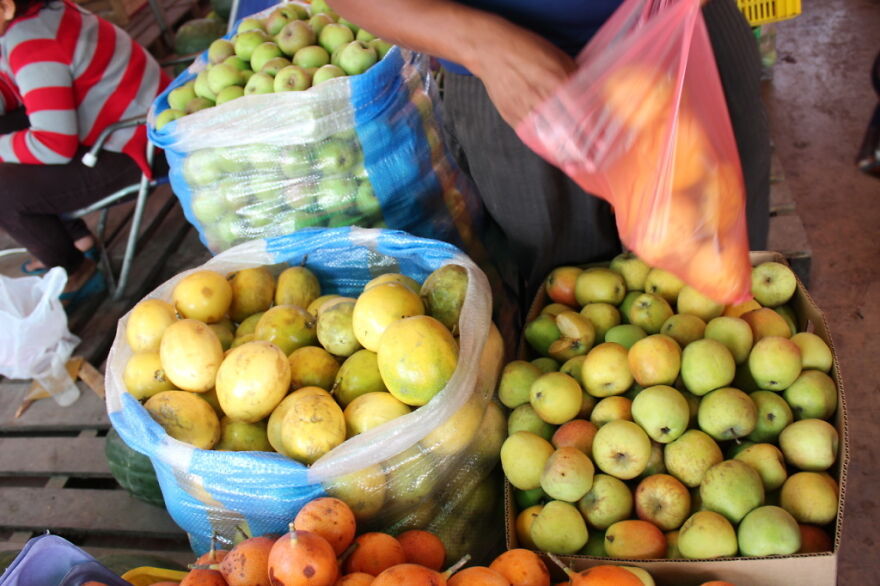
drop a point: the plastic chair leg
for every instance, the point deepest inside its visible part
(133, 233)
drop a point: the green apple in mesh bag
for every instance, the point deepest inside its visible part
(319, 21)
(366, 201)
(294, 36)
(247, 42)
(230, 93)
(335, 35)
(208, 206)
(336, 156)
(179, 97)
(201, 88)
(260, 156)
(237, 62)
(249, 24)
(336, 193)
(263, 53)
(364, 35)
(356, 57)
(260, 83)
(296, 162)
(273, 66)
(313, 56)
(275, 22)
(292, 78)
(382, 47)
(201, 168)
(221, 76)
(294, 12)
(220, 50)
(167, 116)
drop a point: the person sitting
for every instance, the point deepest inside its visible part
(65, 76)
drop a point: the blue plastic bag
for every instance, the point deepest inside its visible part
(49, 560)
(363, 150)
(215, 492)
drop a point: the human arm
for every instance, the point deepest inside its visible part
(519, 68)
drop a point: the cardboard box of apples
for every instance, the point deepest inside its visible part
(652, 426)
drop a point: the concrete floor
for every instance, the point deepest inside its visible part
(819, 102)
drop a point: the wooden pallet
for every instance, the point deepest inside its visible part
(54, 477)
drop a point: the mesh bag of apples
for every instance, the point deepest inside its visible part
(643, 123)
(292, 122)
(316, 398)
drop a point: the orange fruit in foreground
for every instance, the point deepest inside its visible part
(247, 564)
(717, 583)
(409, 575)
(522, 567)
(330, 518)
(212, 557)
(302, 558)
(203, 578)
(375, 553)
(605, 576)
(423, 548)
(355, 579)
(478, 576)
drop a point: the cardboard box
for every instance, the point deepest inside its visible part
(818, 569)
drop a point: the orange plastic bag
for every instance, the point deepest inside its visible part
(643, 123)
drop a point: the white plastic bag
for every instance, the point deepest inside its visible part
(34, 339)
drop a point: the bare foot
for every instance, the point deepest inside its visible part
(82, 244)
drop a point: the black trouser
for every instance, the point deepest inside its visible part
(542, 218)
(33, 196)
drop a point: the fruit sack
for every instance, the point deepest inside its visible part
(363, 150)
(643, 124)
(216, 492)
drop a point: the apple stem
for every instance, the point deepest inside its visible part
(568, 571)
(242, 532)
(737, 440)
(304, 260)
(457, 565)
(292, 530)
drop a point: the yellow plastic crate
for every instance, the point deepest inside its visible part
(759, 12)
(145, 576)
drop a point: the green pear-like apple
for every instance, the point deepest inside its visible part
(605, 370)
(197, 104)
(622, 449)
(663, 413)
(727, 413)
(294, 36)
(364, 36)
(815, 353)
(229, 93)
(684, 328)
(327, 72)
(810, 497)
(263, 54)
(732, 488)
(773, 283)
(276, 21)
(734, 333)
(649, 312)
(768, 461)
(706, 365)
(356, 57)
(292, 78)
(333, 36)
(366, 201)
(693, 302)
(774, 415)
(249, 24)
(260, 83)
(603, 316)
(655, 360)
(319, 20)
(567, 475)
(237, 62)
(296, 162)
(633, 269)
(810, 444)
(768, 531)
(336, 156)
(556, 397)
(179, 97)
(625, 334)
(599, 285)
(220, 50)
(516, 380)
(321, 7)
(813, 395)
(627, 304)
(559, 528)
(707, 535)
(311, 56)
(168, 116)
(663, 500)
(335, 194)
(208, 206)
(615, 408)
(246, 42)
(525, 418)
(691, 455)
(382, 47)
(775, 363)
(200, 87)
(663, 284)
(273, 66)
(294, 12)
(523, 456)
(608, 501)
(354, 28)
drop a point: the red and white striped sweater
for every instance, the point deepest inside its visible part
(75, 74)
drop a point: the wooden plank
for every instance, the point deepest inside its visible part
(82, 457)
(83, 510)
(88, 412)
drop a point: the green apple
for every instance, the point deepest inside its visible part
(364, 36)
(649, 311)
(354, 28)
(684, 328)
(766, 322)
(608, 501)
(577, 335)
(196, 104)
(333, 36)
(249, 24)
(294, 36)
(318, 21)
(734, 333)
(525, 418)
(627, 304)
(633, 270)
(663, 284)
(516, 380)
(810, 497)
(382, 47)
(663, 413)
(706, 365)
(356, 57)
(321, 6)
(655, 360)
(366, 201)
(768, 531)
(294, 12)
(656, 465)
(813, 395)
(790, 317)
(264, 53)
(815, 353)
(372, 410)
(567, 475)
(809, 444)
(768, 462)
(230, 93)
(335, 194)
(326, 72)
(311, 56)
(603, 316)
(773, 283)
(179, 97)
(663, 500)
(556, 397)
(775, 363)
(727, 413)
(260, 83)
(693, 302)
(707, 535)
(208, 206)
(599, 285)
(732, 488)
(246, 42)
(295, 162)
(546, 364)
(292, 78)
(200, 86)
(336, 156)
(625, 334)
(774, 414)
(622, 449)
(273, 66)
(691, 455)
(220, 50)
(559, 528)
(611, 409)
(605, 370)
(167, 116)
(523, 456)
(276, 21)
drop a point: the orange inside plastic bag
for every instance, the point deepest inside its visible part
(643, 124)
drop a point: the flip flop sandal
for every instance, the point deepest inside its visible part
(91, 253)
(94, 286)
